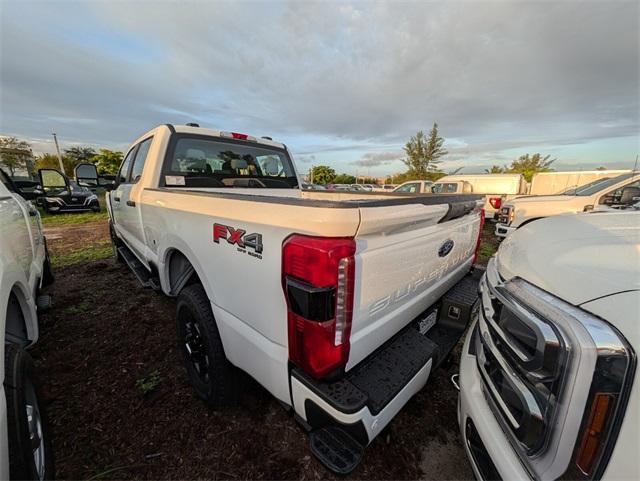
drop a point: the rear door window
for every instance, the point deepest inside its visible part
(123, 174)
(141, 158)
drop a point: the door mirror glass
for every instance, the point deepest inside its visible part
(53, 182)
(86, 175)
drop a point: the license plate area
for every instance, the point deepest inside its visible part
(427, 322)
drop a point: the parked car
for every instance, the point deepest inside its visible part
(25, 444)
(496, 188)
(284, 284)
(59, 194)
(614, 192)
(549, 385)
(414, 187)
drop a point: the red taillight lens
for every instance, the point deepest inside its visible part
(238, 136)
(318, 279)
(496, 202)
(475, 257)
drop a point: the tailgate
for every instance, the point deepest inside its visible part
(407, 257)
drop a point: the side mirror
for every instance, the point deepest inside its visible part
(86, 175)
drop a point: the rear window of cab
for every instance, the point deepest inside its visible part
(204, 161)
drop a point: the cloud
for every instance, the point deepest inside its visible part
(359, 77)
(375, 159)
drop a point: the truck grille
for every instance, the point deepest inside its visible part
(520, 358)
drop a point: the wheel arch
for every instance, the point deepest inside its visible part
(21, 326)
(179, 269)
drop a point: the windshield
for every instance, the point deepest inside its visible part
(199, 161)
(598, 185)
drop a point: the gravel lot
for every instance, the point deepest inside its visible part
(121, 407)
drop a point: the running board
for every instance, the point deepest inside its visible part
(146, 278)
(336, 449)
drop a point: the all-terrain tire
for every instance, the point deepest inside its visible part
(22, 389)
(217, 382)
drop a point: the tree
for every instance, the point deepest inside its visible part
(455, 171)
(50, 161)
(15, 154)
(495, 169)
(322, 174)
(423, 154)
(528, 165)
(343, 179)
(601, 168)
(80, 154)
(107, 161)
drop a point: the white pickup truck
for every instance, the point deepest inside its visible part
(339, 304)
(25, 445)
(549, 386)
(616, 192)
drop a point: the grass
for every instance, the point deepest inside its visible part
(96, 252)
(79, 308)
(148, 383)
(52, 220)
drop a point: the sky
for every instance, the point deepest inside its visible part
(342, 84)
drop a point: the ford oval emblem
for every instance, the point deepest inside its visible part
(445, 248)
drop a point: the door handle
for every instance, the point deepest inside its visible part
(116, 199)
(131, 203)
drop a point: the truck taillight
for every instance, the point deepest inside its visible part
(475, 256)
(496, 202)
(318, 281)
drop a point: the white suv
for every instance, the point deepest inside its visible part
(25, 448)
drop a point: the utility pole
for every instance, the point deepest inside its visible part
(55, 139)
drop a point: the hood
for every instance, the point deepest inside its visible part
(576, 257)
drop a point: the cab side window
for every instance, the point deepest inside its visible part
(141, 158)
(409, 188)
(123, 174)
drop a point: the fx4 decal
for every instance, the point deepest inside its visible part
(238, 237)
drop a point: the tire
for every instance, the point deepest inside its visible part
(214, 378)
(116, 243)
(22, 392)
(47, 270)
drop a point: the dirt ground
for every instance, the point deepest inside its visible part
(121, 406)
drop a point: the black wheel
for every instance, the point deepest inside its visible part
(95, 208)
(47, 271)
(30, 453)
(213, 377)
(115, 243)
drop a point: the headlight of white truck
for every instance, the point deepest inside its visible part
(556, 377)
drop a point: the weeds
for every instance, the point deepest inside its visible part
(149, 383)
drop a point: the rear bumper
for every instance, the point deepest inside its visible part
(366, 399)
(503, 230)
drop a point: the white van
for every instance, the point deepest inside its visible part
(496, 187)
(550, 183)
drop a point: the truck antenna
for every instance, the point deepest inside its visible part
(635, 166)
